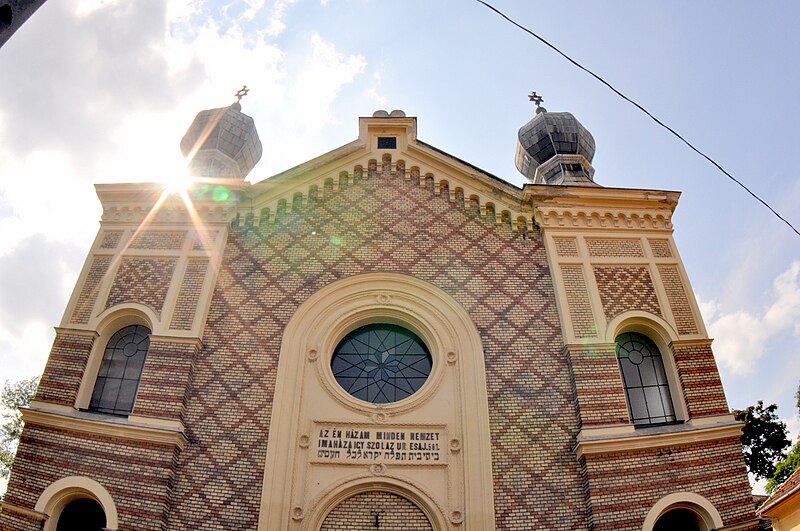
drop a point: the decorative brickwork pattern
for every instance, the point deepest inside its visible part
(397, 514)
(702, 388)
(678, 301)
(165, 378)
(625, 288)
(628, 248)
(19, 522)
(620, 498)
(382, 223)
(580, 309)
(158, 239)
(64, 371)
(206, 241)
(566, 246)
(600, 396)
(144, 280)
(137, 475)
(189, 294)
(91, 285)
(660, 248)
(111, 239)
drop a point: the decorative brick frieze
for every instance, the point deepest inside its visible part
(677, 298)
(697, 370)
(599, 394)
(615, 248)
(165, 378)
(138, 475)
(619, 497)
(395, 513)
(111, 239)
(660, 247)
(580, 308)
(566, 247)
(64, 371)
(143, 280)
(91, 286)
(158, 239)
(625, 288)
(189, 294)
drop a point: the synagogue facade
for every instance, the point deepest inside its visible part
(384, 337)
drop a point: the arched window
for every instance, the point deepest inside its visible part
(82, 514)
(120, 371)
(646, 384)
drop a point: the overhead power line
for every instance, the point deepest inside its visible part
(638, 106)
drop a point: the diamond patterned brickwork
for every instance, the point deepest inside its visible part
(144, 280)
(137, 475)
(158, 239)
(628, 248)
(702, 388)
(678, 301)
(660, 248)
(64, 371)
(189, 294)
(382, 223)
(580, 309)
(91, 285)
(625, 288)
(166, 375)
(600, 397)
(111, 239)
(620, 497)
(567, 247)
(355, 514)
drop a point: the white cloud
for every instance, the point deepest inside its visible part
(741, 337)
(276, 21)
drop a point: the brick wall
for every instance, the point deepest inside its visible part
(624, 486)
(600, 396)
(626, 288)
(137, 475)
(91, 285)
(702, 388)
(580, 309)
(111, 239)
(566, 246)
(397, 514)
(614, 248)
(166, 375)
(678, 301)
(158, 239)
(144, 280)
(383, 222)
(64, 371)
(660, 248)
(189, 294)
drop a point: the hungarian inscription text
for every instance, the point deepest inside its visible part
(366, 445)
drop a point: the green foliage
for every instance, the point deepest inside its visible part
(763, 438)
(12, 398)
(784, 469)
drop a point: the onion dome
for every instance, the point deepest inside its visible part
(554, 148)
(222, 143)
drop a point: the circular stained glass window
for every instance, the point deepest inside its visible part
(381, 363)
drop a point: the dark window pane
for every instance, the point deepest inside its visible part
(645, 380)
(121, 370)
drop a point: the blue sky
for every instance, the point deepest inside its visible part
(97, 91)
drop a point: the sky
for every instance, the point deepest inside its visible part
(102, 91)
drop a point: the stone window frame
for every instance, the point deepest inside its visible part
(65, 490)
(662, 334)
(684, 500)
(110, 322)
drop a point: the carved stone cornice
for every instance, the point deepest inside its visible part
(578, 207)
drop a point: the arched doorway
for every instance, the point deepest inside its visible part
(82, 514)
(376, 510)
(680, 519)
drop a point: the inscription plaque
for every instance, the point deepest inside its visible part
(364, 445)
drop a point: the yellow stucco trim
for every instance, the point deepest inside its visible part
(688, 500)
(122, 428)
(59, 493)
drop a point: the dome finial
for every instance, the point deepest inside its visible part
(241, 93)
(535, 98)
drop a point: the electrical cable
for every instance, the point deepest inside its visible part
(656, 120)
